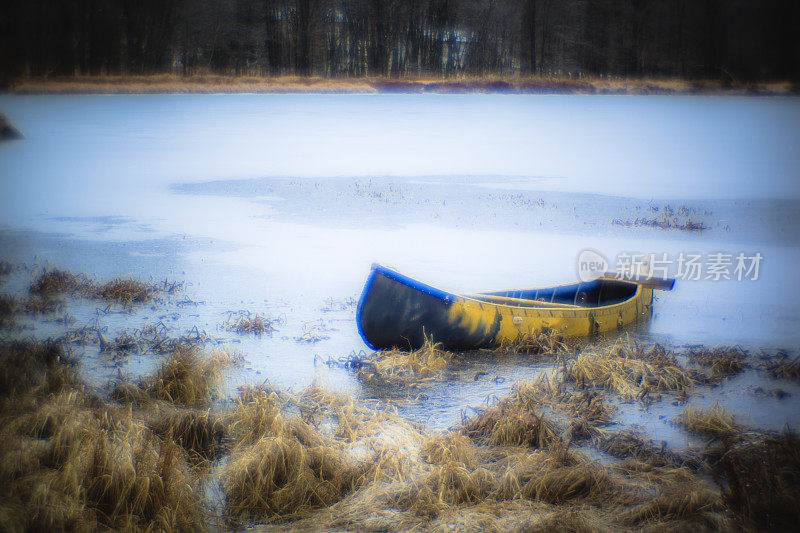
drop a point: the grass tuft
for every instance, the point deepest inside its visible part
(185, 379)
(624, 369)
(424, 363)
(8, 307)
(722, 361)
(53, 282)
(763, 476)
(515, 421)
(247, 322)
(125, 292)
(785, 369)
(713, 422)
(201, 434)
(278, 478)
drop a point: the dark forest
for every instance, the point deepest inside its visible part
(735, 40)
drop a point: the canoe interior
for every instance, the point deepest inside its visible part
(596, 293)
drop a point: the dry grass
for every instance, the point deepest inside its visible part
(70, 462)
(425, 363)
(326, 461)
(185, 379)
(40, 368)
(285, 465)
(246, 322)
(515, 421)
(200, 433)
(150, 338)
(713, 422)
(546, 343)
(213, 83)
(8, 306)
(785, 369)
(763, 476)
(625, 369)
(680, 501)
(278, 478)
(52, 282)
(631, 445)
(668, 218)
(125, 292)
(722, 361)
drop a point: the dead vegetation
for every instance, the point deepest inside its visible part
(333, 304)
(713, 422)
(763, 475)
(125, 292)
(205, 83)
(314, 332)
(398, 366)
(630, 445)
(785, 368)
(184, 378)
(70, 459)
(627, 370)
(153, 338)
(243, 322)
(8, 306)
(546, 343)
(668, 218)
(721, 361)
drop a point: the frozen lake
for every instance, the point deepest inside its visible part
(278, 203)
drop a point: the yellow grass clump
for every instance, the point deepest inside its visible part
(247, 322)
(395, 365)
(201, 434)
(448, 448)
(70, 462)
(515, 421)
(278, 478)
(186, 378)
(680, 502)
(125, 292)
(722, 361)
(55, 281)
(546, 342)
(625, 370)
(713, 422)
(785, 369)
(258, 414)
(449, 484)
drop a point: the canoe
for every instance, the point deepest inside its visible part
(396, 311)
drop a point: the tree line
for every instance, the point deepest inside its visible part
(742, 40)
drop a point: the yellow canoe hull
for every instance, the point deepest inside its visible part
(398, 311)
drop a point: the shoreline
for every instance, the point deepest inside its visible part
(217, 84)
(551, 451)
